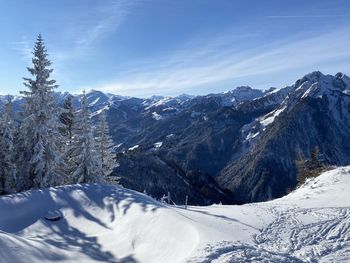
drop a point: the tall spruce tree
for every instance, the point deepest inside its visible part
(7, 154)
(66, 128)
(104, 146)
(39, 129)
(84, 149)
(67, 119)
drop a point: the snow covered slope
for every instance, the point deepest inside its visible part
(100, 223)
(112, 224)
(312, 224)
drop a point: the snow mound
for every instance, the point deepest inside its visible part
(113, 224)
(99, 223)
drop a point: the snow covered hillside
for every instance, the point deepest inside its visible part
(112, 224)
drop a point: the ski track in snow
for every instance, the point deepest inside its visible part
(287, 239)
(327, 232)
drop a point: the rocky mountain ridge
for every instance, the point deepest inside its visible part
(237, 146)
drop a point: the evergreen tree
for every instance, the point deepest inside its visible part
(67, 132)
(104, 146)
(84, 149)
(67, 119)
(39, 131)
(7, 156)
(24, 180)
(302, 169)
(315, 158)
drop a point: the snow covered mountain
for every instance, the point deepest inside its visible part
(315, 113)
(152, 121)
(250, 148)
(158, 104)
(101, 223)
(236, 147)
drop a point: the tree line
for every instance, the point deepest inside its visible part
(50, 145)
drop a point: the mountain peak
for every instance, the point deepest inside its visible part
(344, 79)
(243, 88)
(244, 93)
(156, 97)
(92, 91)
(321, 83)
(185, 96)
(313, 77)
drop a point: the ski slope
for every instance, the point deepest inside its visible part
(111, 224)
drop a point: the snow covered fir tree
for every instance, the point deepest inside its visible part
(7, 155)
(41, 158)
(85, 154)
(51, 145)
(104, 147)
(67, 118)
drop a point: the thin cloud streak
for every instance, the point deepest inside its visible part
(197, 67)
(24, 48)
(113, 15)
(305, 16)
(110, 16)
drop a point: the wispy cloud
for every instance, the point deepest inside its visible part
(24, 48)
(306, 16)
(111, 15)
(104, 20)
(201, 64)
(100, 22)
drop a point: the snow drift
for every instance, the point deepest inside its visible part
(113, 224)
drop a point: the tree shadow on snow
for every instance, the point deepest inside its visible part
(25, 209)
(87, 245)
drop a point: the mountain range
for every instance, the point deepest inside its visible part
(235, 147)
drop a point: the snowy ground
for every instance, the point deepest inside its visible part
(111, 224)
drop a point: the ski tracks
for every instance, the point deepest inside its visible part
(309, 234)
(295, 235)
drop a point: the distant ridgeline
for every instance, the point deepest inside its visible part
(235, 147)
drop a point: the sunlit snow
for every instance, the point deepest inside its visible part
(113, 224)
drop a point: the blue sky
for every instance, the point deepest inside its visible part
(169, 47)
